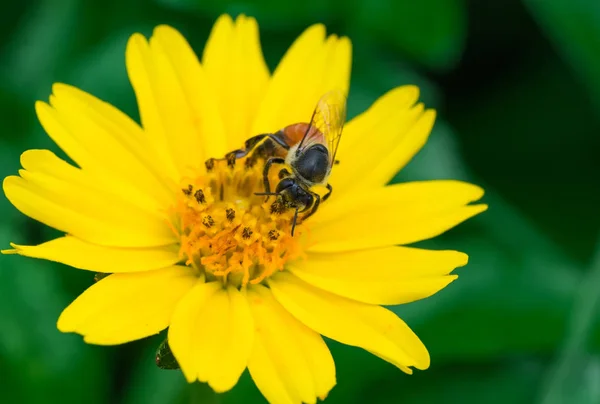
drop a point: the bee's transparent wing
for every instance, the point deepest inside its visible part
(326, 124)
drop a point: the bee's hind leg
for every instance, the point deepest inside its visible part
(230, 158)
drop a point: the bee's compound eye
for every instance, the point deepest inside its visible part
(284, 184)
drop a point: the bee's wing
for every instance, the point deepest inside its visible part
(326, 124)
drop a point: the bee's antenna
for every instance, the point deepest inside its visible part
(294, 221)
(265, 193)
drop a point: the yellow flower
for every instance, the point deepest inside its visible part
(199, 253)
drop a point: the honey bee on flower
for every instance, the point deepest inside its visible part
(306, 149)
(194, 248)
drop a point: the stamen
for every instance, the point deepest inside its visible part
(246, 233)
(230, 213)
(208, 221)
(199, 195)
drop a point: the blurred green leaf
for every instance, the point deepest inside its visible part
(431, 32)
(9, 164)
(269, 13)
(40, 364)
(502, 383)
(102, 72)
(201, 393)
(574, 27)
(167, 386)
(534, 138)
(567, 379)
(372, 80)
(39, 47)
(574, 381)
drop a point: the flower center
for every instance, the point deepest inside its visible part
(229, 233)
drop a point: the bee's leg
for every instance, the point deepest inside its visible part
(255, 143)
(294, 221)
(315, 206)
(328, 194)
(270, 162)
(230, 157)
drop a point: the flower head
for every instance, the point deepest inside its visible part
(188, 244)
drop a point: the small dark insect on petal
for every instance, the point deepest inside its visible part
(199, 195)
(164, 357)
(230, 214)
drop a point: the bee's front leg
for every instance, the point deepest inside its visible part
(315, 206)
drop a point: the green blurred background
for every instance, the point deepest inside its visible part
(517, 86)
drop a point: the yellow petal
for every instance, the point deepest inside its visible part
(211, 335)
(312, 66)
(175, 101)
(234, 63)
(397, 214)
(92, 257)
(370, 327)
(390, 275)
(402, 152)
(389, 131)
(290, 363)
(105, 142)
(69, 199)
(126, 307)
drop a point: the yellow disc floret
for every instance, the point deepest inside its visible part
(229, 233)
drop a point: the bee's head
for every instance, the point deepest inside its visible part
(292, 195)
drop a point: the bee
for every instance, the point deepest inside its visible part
(306, 150)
